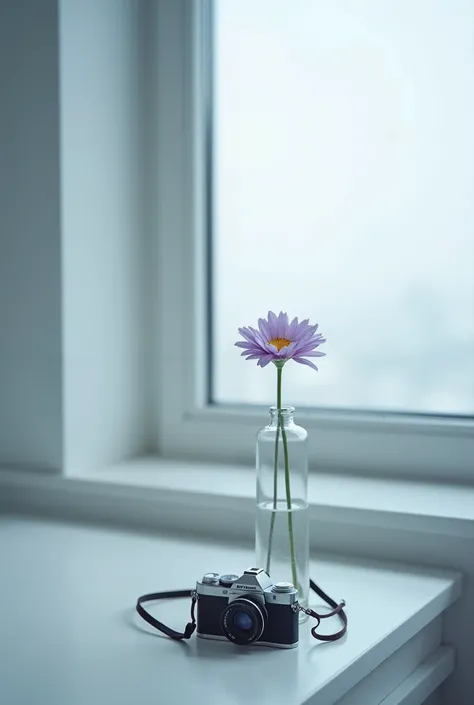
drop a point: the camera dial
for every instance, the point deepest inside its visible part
(210, 578)
(283, 587)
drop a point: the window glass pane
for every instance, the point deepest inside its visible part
(343, 191)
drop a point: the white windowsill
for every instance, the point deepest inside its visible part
(203, 497)
(87, 579)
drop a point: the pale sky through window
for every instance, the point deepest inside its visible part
(344, 192)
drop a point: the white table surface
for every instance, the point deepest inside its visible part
(69, 634)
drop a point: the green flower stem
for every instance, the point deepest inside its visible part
(275, 495)
(275, 474)
(294, 572)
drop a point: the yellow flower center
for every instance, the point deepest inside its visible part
(279, 343)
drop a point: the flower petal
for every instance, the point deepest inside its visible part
(259, 338)
(302, 361)
(243, 344)
(287, 351)
(252, 351)
(307, 334)
(282, 325)
(264, 329)
(310, 344)
(247, 334)
(272, 325)
(302, 329)
(292, 328)
(265, 360)
(271, 349)
(313, 353)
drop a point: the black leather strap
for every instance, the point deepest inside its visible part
(337, 609)
(191, 626)
(152, 596)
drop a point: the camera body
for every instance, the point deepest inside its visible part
(247, 609)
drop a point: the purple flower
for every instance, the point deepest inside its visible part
(278, 340)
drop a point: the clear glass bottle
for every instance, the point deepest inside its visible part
(282, 524)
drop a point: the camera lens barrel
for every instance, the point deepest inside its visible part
(243, 621)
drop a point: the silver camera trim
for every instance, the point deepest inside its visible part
(271, 644)
(255, 583)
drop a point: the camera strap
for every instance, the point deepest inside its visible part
(152, 596)
(338, 609)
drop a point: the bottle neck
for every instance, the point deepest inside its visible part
(282, 416)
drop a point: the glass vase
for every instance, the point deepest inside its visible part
(282, 524)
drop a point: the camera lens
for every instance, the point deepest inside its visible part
(243, 621)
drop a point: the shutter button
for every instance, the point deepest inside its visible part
(211, 578)
(283, 587)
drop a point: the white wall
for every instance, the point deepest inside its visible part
(72, 256)
(30, 252)
(103, 254)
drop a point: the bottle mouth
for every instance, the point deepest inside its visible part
(283, 410)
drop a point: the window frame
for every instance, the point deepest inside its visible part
(186, 424)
